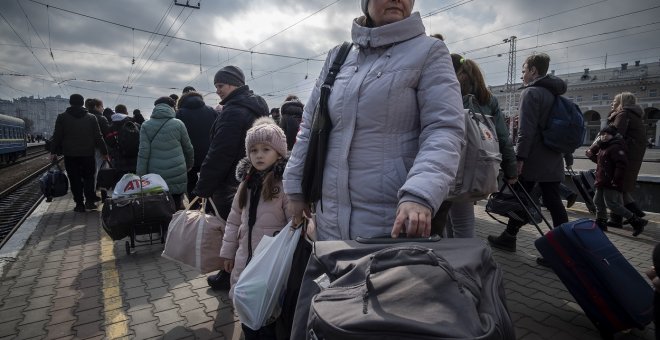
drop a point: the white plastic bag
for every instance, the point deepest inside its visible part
(134, 185)
(258, 292)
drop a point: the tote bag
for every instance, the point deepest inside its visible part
(194, 238)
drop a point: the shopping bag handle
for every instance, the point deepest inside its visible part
(203, 204)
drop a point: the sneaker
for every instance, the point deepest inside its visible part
(505, 241)
(79, 208)
(602, 224)
(219, 281)
(90, 206)
(570, 200)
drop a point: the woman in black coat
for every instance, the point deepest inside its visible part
(290, 117)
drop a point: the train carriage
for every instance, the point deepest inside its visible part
(12, 139)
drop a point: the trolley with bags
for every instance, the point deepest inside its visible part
(611, 292)
(139, 206)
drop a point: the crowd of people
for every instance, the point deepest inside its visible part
(396, 111)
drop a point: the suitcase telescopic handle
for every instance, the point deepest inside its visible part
(524, 206)
(387, 239)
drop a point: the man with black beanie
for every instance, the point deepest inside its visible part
(217, 179)
(76, 136)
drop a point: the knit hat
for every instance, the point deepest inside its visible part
(76, 100)
(611, 130)
(265, 131)
(164, 100)
(188, 89)
(230, 75)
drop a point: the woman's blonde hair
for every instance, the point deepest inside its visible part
(624, 99)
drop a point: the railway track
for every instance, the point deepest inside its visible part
(17, 203)
(32, 153)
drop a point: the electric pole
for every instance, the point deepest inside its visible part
(187, 4)
(510, 83)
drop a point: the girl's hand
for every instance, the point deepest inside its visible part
(227, 264)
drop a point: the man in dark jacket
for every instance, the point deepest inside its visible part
(536, 162)
(77, 134)
(198, 118)
(217, 179)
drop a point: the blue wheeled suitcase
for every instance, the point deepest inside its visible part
(612, 293)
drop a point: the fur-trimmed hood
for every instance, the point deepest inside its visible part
(244, 166)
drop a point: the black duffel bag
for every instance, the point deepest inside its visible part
(505, 203)
(54, 182)
(121, 214)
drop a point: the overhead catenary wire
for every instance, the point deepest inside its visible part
(57, 69)
(173, 37)
(31, 51)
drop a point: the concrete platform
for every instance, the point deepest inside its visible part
(63, 278)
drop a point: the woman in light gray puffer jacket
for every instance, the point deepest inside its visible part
(397, 130)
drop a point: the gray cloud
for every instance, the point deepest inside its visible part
(98, 54)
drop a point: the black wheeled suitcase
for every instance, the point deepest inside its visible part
(611, 292)
(584, 183)
(402, 289)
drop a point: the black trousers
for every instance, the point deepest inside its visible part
(193, 177)
(81, 172)
(552, 201)
(264, 333)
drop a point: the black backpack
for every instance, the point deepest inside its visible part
(128, 139)
(564, 131)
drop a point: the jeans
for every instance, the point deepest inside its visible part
(81, 172)
(460, 223)
(605, 198)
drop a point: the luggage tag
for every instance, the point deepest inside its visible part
(322, 281)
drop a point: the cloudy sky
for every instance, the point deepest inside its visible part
(107, 49)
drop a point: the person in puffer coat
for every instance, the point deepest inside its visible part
(611, 171)
(259, 206)
(165, 149)
(198, 118)
(397, 130)
(290, 117)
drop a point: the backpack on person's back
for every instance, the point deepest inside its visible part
(564, 130)
(479, 165)
(125, 138)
